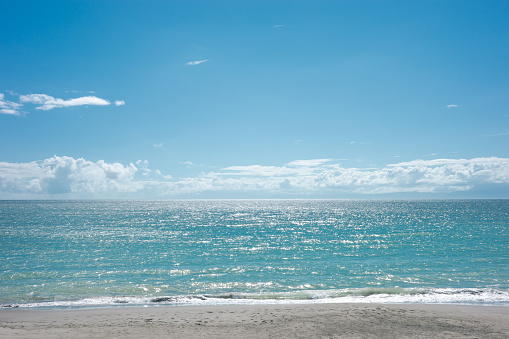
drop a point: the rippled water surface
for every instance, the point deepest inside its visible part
(101, 252)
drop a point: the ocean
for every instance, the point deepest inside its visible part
(74, 254)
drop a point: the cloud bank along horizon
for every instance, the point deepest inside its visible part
(72, 177)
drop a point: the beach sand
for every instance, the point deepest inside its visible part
(261, 321)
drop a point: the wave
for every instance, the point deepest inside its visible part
(476, 296)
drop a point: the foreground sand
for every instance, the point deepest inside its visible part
(261, 321)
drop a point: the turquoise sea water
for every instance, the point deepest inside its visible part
(97, 253)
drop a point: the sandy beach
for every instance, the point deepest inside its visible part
(261, 321)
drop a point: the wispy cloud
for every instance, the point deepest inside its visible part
(308, 163)
(257, 170)
(448, 162)
(451, 106)
(48, 102)
(166, 177)
(197, 62)
(277, 26)
(76, 91)
(159, 145)
(360, 142)
(498, 134)
(9, 107)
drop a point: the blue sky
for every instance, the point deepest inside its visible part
(254, 99)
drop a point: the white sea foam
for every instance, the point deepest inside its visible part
(384, 296)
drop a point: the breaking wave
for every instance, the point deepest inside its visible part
(363, 295)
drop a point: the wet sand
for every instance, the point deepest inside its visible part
(261, 321)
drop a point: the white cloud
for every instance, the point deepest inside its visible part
(76, 91)
(64, 175)
(441, 162)
(187, 163)
(9, 111)
(143, 166)
(257, 170)
(498, 134)
(194, 63)
(47, 102)
(166, 177)
(9, 107)
(69, 177)
(277, 26)
(451, 106)
(308, 163)
(159, 145)
(420, 176)
(296, 167)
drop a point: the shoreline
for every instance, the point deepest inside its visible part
(321, 320)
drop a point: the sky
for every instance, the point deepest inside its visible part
(311, 99)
